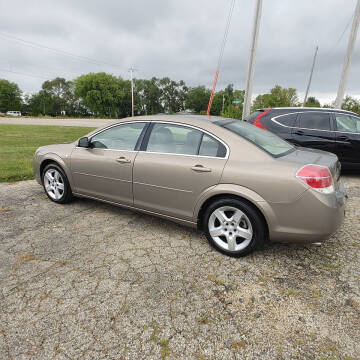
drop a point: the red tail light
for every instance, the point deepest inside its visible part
(317, 177)
(257, 121)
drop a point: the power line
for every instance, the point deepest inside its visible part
(222, 49)
(226, 33)
(340, 38)
(58, 51)
(24, 74)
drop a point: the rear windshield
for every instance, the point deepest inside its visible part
(269, 142)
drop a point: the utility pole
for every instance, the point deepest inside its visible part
(252, 57)
(222, 109)
(311, 74)
(132, 90)
(350, 49)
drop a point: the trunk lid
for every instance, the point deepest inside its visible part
(304, 156)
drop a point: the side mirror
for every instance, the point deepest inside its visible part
(84, 142)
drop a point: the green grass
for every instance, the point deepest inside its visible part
(19, 142)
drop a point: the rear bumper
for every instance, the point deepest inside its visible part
(313, 217)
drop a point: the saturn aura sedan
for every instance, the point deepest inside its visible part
(240, 184)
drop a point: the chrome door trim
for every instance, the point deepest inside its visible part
(300, 112)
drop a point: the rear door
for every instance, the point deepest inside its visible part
(348, 137)
(314, 130)
(178, 163)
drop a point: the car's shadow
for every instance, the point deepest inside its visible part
(163, 225)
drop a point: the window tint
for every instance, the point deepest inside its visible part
(317, 121)
(174, 139)
(287, 120)
(347, 123)
(121, 137)
(265, 140)
(211, 147)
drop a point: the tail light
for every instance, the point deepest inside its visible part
(317, 177)
(257, 121)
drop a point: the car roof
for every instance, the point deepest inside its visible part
(308, 109)
(199, 120)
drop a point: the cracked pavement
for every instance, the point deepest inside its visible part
(92, 281)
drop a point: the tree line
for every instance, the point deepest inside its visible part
(108, 96)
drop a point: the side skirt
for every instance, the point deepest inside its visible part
(166, 217)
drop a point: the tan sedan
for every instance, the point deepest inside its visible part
(238, 183)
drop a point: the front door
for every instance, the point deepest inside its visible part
(178, 164)
(348, 138)
(104, 170)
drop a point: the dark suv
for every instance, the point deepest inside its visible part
(337, 131)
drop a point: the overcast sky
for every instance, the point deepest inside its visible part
(179, 39)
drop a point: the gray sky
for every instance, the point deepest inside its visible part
(180, 39)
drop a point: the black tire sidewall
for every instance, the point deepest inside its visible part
(67, 189)
(257, 223)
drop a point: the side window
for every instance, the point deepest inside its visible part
(211, 147)
(121, 137)
(347, 123)
(174, 139)
(316, 121)
(287, 120)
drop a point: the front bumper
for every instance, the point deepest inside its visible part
(36, 168)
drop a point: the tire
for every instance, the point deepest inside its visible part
(234, 227)
(56, 184)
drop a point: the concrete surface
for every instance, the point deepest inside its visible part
(93, 281)
(56, 121)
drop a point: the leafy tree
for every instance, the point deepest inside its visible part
(104, 94)
(351, 104)
(278, 97)
(10, 96)
(147, 95)
(61, 93)
(217, 104)
(40, 104)
(197, 99)
(173, 95)
(312, 102)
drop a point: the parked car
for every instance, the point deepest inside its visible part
(13, 113)
(238, 183)
(334, 130)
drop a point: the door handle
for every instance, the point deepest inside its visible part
(200, 168)
(343, 138)
(298, 132)
(123, 160)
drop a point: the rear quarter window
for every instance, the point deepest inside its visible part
(286, 120)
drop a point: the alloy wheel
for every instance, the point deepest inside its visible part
(230, 228)
(54, 184)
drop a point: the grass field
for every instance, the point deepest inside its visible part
(19, 142)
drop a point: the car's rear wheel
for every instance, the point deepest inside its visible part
(56, 184)
(234, 227)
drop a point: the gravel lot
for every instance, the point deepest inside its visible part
(89, 280)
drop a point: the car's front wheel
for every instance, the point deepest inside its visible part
(234, 227)
(56, 184)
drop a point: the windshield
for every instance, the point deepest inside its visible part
(269, 142)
